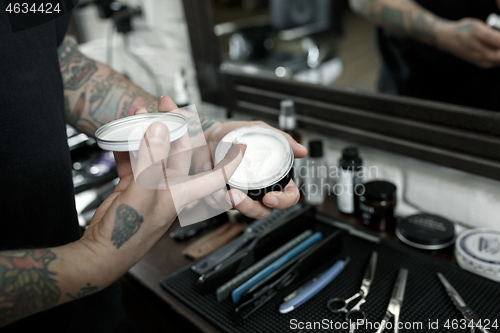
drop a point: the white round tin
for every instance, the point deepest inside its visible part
(478, 251)
(125, 134)
(267, 163)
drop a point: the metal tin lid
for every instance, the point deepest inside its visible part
(426, 231)
(267, 160)
(478, 250)
(125, 134)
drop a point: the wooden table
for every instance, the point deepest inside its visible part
(165, 258)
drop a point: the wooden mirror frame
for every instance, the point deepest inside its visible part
(462, 138)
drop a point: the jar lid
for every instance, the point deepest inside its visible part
(478, 250)
(125, 134)
(350, 158)
(379, 190)
(268, 157)
(316, 148)
(426, 231)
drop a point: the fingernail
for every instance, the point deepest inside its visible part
(270, 200)
(234, 197)
(239, 141)
(157, 133)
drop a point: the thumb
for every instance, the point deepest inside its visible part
(206, 183)
(149, 167)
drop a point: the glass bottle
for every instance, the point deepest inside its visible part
(316, 179)
(349, 170)
(288, 124)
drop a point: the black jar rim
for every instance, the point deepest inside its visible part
(433, 233)
(259, 193)
(379, 190)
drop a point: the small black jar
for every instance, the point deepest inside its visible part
(377, 205)
(426, 232)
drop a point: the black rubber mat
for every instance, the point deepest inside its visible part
(425, 305)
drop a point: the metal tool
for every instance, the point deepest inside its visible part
(250, 234)
(467, 312)
(338, 305)
(311, 288)
(311, 259)
(227, 288)
(396, 301)
(274, 266)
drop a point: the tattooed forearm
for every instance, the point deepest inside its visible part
(394, 18)
(404, 17)
(424, 28)
(127, 223)
(27, 285)
(75, 67)
(84, 291)
(95, 94)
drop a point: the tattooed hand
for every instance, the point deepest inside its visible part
(468, 39)
(473, 41)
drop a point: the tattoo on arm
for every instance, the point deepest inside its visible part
(27, 285)
(404, 17)
(95, 94)
(127, 223)
(205, 122)
(393, 17)
(84, 291)
(465, 28)
(75, 67)
(423, 28)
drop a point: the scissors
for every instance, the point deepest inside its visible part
(396, 301)
(467, 312)
(337, 305)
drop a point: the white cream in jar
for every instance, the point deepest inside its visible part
(267, 162)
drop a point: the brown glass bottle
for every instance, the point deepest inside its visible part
(377, 205)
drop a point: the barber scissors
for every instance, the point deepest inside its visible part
(467, 312)
(337, 305)
(396, 301)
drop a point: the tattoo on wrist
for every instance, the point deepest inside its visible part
(84, 291)
(207, 125)
(27, 285)
(424, 28)
(409, 20)
(465, 27)
(127, 223)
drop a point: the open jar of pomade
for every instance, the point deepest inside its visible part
(267, 164)
(125, 134)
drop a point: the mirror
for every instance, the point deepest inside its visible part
(323, 42)
(244, 63)
(297, 40)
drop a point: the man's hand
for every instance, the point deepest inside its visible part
(251, 208)
(469, 39)
(473, 41)
(126, 225)
(137, 214)
(279, 200)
